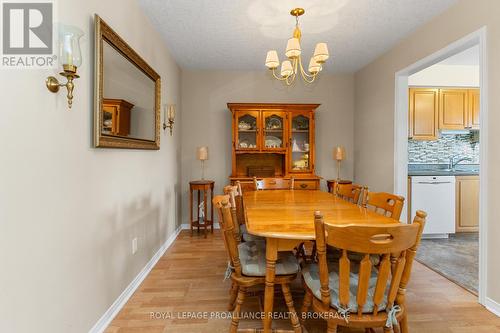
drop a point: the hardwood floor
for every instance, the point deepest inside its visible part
(188, 279)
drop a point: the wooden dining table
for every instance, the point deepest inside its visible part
(286, 219)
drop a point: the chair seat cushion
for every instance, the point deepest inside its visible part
(253, 260)
(249, 237)
(311, 278)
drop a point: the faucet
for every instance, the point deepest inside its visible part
(453, 163)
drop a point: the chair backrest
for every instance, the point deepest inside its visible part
(348, 192)
(379, 239)
(383, 203)
(235, 201)
(273, 183)
(223, 207)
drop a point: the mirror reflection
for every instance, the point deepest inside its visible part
(128, 104)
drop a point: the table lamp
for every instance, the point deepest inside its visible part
(202, 155)
(339, 156)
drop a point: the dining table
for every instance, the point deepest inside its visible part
(285, 218)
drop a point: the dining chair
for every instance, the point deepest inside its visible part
(273, 183)
(356, 294)
(348, 192)
(235, 199)
(247, 266)
(383, 203)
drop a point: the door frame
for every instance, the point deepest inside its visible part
(477, 37)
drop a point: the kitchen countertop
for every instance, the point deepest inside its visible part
(442, 170)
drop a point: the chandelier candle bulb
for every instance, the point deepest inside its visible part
(314, 67)
(286, 68)
(272, 60)
(321, 53)
(293, 48)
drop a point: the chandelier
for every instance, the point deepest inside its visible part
(293, 65)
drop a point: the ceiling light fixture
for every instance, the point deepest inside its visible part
(291, 67)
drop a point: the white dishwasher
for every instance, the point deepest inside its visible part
(436, 196)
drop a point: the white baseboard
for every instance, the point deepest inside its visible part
(492, 306)
(186, 226)
(113, 310)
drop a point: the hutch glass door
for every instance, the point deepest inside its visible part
(247, 130)
(274, 131)
(300, 142)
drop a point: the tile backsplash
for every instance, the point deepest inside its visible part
(440, 151)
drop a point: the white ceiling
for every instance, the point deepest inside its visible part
(236, 34)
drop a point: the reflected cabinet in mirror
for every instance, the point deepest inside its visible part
(127, 105)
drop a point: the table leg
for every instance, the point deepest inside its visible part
(191, 210)
(198, 211)
(271, 256)
(212, 209)
(205, 224)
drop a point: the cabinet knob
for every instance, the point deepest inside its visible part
(303, 185)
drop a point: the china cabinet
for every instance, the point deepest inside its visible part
(273, 140)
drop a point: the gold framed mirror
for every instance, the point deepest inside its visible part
(127, 94)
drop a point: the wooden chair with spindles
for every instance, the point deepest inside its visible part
(357, 294)
(348, 192)
(383, 203)
(247, 266)
(273, 183)
(235, 199)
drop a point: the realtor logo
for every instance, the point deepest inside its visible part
(27, 34)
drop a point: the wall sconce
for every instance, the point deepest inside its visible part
(169, 117)
(70, 57)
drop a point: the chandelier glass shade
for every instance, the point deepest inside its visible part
(292, 66)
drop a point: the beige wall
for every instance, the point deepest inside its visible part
(374, 109)
(68, 212)
(207, 121)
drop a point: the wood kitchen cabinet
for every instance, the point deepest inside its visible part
(467, 203)
(473, 112)
(423, 117)
(453, 109)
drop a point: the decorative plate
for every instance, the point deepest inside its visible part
(274, 123)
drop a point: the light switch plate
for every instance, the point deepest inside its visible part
(134, 245)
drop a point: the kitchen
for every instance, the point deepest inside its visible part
(443, 164)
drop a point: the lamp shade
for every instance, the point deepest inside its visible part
(286, 68)
(202, 153)
(321, 53)
(314, 67)
(339, 153)
(272, 60)
(170, 112)
(70, 53)
(293, 48)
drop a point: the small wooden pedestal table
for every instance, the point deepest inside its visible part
(201, 186)
(332, 182)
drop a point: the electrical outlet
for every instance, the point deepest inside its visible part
(134, 245)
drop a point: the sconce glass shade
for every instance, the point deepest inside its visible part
(293, 49)
(339, 153)
(314, 67)
(272, 60)
(70, 53)
(286, 68)
(321, 53)
(202, 153)
(170, 112)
